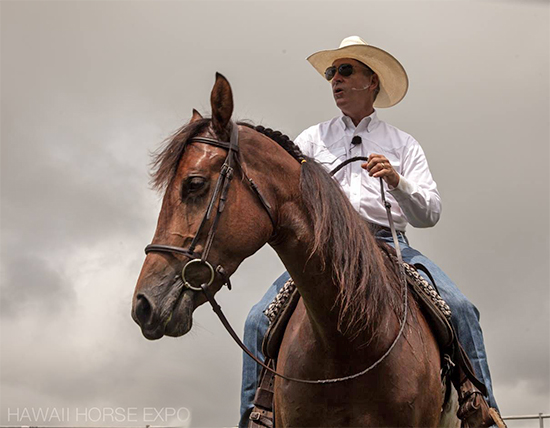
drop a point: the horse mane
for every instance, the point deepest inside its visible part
(342, 238)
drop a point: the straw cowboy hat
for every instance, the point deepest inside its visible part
(393, 78)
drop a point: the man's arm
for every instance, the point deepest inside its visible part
(413, 188)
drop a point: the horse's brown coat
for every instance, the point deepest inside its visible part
(351, 302)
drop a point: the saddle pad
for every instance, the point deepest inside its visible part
(436, 310)
(279, 312)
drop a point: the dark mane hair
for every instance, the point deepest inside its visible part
(165, 161)
(281, 139)
(342, 238)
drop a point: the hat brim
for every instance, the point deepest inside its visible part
(394, 82)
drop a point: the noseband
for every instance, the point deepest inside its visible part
(220, 195)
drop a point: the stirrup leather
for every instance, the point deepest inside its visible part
(473, 411)
(262, 413)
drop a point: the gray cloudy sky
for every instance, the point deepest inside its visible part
(90, 88)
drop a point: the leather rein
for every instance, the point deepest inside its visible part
(220, 194)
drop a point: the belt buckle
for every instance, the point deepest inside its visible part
(255, 416)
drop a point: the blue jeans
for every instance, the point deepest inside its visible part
(465, 320)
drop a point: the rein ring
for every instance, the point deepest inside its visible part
(188, 284)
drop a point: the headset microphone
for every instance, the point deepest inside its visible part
(361, 89)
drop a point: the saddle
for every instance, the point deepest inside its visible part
(435, 309)
(473, 409)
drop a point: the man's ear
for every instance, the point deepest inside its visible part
(375, 80)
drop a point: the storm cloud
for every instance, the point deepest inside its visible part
(90, 89)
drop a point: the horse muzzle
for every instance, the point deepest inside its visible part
(169, 315)
(143, 313)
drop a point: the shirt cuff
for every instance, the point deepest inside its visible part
(404, 187)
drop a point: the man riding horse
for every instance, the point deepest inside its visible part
(363, 77)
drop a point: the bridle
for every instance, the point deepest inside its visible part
(220, 193)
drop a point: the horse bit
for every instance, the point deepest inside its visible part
(220, 192)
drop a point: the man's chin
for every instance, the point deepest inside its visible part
(340, 102)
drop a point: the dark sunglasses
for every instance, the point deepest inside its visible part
(345, 70)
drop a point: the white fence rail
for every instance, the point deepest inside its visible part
(540, 417)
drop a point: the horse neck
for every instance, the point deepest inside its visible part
(314, 278)
(297, 191)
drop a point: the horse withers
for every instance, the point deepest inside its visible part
(229, 190)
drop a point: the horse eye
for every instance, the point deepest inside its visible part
(193, 185)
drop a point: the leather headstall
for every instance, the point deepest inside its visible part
(219, 195)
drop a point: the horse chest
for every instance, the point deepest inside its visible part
(302, 355)
(374, 399)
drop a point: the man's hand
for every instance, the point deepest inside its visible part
(380, 166)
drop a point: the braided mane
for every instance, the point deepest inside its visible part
(281, 139)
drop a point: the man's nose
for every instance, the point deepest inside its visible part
(337, 79)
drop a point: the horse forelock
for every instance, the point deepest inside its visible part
(165, 161)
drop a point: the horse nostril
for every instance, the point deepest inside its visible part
(143, 310)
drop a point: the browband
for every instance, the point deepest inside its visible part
(213, 142)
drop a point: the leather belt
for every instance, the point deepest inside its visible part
(375, 228)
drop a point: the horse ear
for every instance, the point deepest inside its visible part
(221, 101)
(196, 116)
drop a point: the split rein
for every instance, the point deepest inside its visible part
(220, 193)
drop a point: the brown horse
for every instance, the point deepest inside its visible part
(351, 303)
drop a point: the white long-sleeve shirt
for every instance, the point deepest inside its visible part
(415, 200)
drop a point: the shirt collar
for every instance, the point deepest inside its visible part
(367, 123)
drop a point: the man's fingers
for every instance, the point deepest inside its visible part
(379, 167)
(374, 160)
(381, 173)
